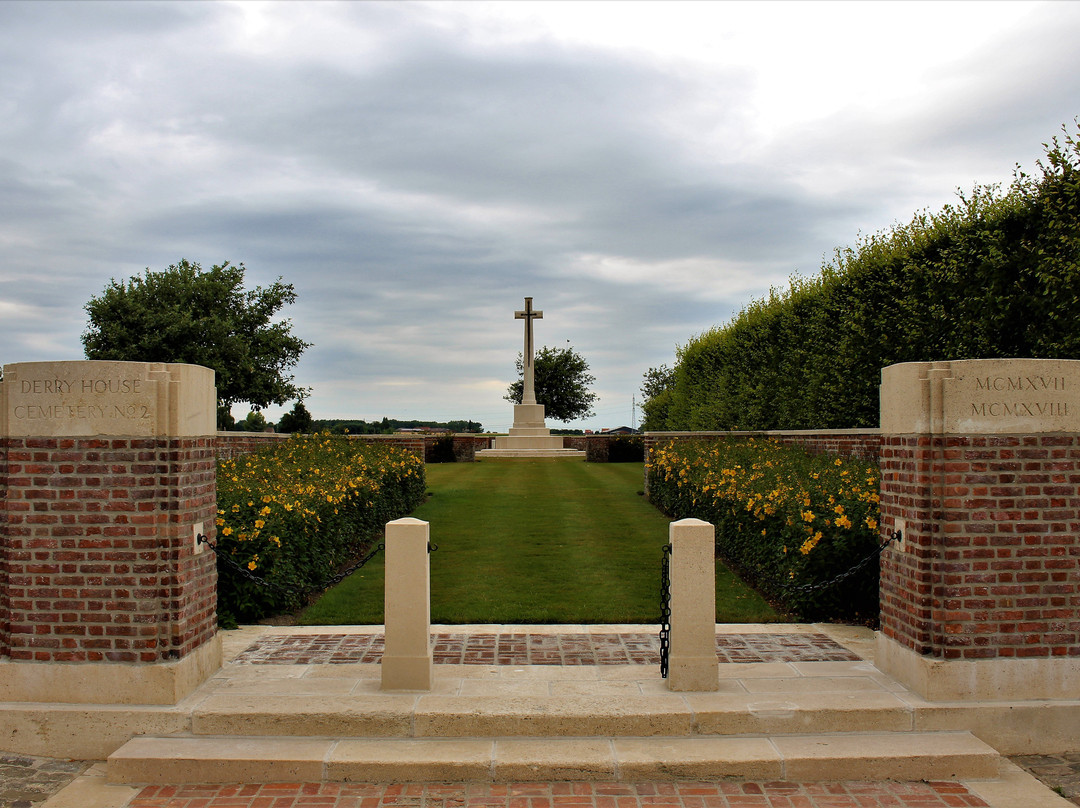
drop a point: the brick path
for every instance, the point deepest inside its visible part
(564, 795)
(1057, 771)
(26, 781)
(540, 649)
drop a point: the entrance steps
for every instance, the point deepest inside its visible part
(805, 721)
(797, 758)
(299, 705)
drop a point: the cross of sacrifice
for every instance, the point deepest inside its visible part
(528, 394)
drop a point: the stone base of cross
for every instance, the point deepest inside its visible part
(529, 420)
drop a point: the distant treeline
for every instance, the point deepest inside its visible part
(995, 275)
(387, 426)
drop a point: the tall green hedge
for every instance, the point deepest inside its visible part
(996, 275)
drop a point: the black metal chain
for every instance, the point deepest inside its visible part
(665, 611)
(895, 536)
(255, 579)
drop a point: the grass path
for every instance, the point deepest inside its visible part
(537, 542)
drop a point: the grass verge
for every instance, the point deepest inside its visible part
(537, 542)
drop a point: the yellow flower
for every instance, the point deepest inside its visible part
(871, 523)
(226, 531)
(259, 524)
(808, 516)
(810, 543)
(843, 521)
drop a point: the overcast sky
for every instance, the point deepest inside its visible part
(642, 170)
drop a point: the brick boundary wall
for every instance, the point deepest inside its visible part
(864, 444)
(990, 567)
(99, 559)
(595, 446)
(467, 445)
(236, 444)
(229, 445)
(5, 552)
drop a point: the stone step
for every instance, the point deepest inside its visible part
(530, 454)
(859, 756)
(374, 715)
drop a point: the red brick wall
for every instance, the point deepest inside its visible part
(5, 597)
(234, 444)
(98, 545)
(865, 444)
(990, 566)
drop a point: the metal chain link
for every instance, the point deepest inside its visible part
(895, 536)
(665, 611)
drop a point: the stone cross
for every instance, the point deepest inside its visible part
(528, 394)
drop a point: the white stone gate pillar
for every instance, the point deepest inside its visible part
(408, 662)
(692, 662)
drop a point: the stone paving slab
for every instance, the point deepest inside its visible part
(525, 648)
(1059, 772)
(678, 794)
(26, 781)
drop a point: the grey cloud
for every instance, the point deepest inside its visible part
(415, 185)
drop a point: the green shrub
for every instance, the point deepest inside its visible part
(996, 275)
(294, 513)
(786, 520)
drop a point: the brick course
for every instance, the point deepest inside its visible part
(97, 557)
(990, 566)
(862, 443)
(228, 445)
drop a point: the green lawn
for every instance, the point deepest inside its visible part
(537, 542)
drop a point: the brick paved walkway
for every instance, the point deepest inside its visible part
(540, 649)
(565, 795)
(26, 781)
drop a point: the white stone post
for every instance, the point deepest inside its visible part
(407, 662)
(692, 663)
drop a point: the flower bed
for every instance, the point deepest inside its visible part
(295, 513)
(787, 520)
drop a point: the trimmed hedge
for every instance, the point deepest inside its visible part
(786, 520)
(996, 275)
(295, 513)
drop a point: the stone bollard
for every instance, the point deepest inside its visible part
(407, 662)
(692, 663)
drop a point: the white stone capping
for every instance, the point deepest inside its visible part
(981, 397)
(102, 398)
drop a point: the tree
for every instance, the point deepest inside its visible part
(186, 314)
(299, 420)
(656, 386)
(561, 379)
(255, 422)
